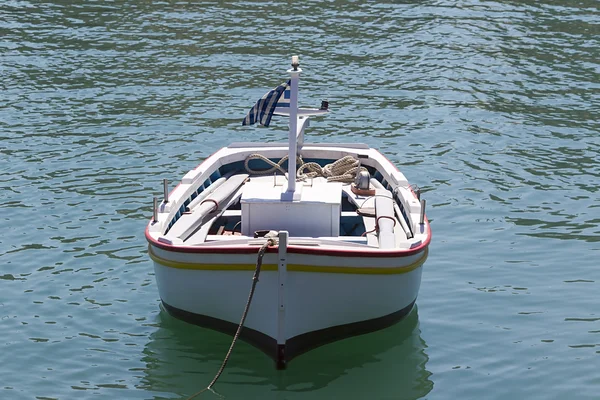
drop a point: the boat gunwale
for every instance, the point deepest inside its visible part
(314, 250)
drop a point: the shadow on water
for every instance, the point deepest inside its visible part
(181, 359)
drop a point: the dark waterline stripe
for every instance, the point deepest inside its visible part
(297, 345)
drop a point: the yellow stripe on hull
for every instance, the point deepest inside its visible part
(291, 267)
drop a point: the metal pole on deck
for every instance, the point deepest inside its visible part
(166, 190)
(293, 146)
(155, 210)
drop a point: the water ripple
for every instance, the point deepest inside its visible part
(491, 107)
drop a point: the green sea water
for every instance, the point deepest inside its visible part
(491, 107)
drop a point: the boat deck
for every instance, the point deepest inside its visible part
(322, 214)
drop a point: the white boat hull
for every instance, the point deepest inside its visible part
(325, 297)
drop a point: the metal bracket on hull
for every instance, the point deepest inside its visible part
(282, 273)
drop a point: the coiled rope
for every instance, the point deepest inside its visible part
(271, 241)
(342, 170)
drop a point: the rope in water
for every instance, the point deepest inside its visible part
(342, 170)
(270, 242)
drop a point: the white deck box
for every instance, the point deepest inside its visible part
(315, 214)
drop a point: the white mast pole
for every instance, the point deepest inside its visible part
(294, 78)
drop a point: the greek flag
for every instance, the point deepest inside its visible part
(284, 101)
(264, 108)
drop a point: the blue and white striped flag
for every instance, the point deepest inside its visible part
(264, 108)
(284, 101)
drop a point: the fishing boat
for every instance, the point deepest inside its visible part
(336, 232)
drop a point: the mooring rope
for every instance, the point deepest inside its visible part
(271, 241)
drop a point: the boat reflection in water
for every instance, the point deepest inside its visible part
(181, 359)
